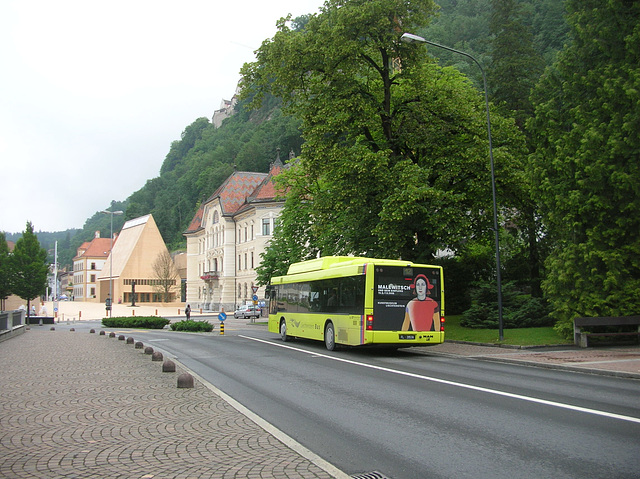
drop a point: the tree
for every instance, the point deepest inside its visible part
(395, 159)
(165, 275)
(5, 274)
(587, 162)
(515, 68)
(29, 268)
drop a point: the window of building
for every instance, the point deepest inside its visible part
(93, 278)
(93, 266)
(252, 264)
(266, 227)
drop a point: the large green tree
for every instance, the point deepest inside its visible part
(515, 68)
(587, 164)
(29, 268)
(5, 273)
(395, 159)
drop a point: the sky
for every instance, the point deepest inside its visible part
(92, 94)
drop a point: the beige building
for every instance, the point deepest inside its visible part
(87, 265)
(135, 257)
(226, 237)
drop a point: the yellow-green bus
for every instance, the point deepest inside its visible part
(359, 301)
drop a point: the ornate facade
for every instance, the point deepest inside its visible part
(226, 237)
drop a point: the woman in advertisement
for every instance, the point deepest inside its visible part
(422, 312)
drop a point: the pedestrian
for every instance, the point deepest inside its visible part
(33, 310)
(187, 312)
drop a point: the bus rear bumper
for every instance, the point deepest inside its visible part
(405, 338)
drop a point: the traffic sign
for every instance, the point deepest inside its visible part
(255, 289)
(222, 316)
(255, 297)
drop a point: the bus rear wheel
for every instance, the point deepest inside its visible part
(283, 331)
(329, 336)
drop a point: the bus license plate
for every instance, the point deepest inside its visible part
(407, 336)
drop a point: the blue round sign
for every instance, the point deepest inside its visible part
(222, 316)
(255, 297)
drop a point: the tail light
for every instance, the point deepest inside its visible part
(369, 322)
(442, 323)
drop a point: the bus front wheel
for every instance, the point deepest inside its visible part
(283, 331)
(329, 336)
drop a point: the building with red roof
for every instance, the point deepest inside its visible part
(87, 264)
(226, 237)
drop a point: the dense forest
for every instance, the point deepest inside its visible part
(393, 143)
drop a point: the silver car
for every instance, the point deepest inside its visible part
(247, 311)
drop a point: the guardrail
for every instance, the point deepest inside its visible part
(11, 319)
(11, 323)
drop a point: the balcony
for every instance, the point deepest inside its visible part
(210, 275)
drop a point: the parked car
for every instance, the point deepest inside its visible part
(247, 311)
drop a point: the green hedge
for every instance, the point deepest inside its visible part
(519, 310)
(196, 326)
(146, 322)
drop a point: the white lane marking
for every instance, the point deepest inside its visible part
(456, 384)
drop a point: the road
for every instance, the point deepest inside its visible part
(409, 415)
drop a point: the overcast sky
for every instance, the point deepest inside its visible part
(93, 93)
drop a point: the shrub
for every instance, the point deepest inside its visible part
(519, 310)
(146, 322)
(194, 326)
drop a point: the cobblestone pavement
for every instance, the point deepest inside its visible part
(81, 405)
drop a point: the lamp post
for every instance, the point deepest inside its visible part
(111, 258)
(411, 38)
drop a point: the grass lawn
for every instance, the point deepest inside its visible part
(521, 336)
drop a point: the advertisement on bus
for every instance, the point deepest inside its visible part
(406, 298)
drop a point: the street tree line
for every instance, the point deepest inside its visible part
(395, 160)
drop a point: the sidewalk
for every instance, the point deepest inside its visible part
(76, 404)
(84, 311)
(611, 361)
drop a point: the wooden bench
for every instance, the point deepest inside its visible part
(581, 338)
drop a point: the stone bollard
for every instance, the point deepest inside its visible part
(156, 356)
(72, 329)
(148, 350)
(185, 380)
(139, 345)
(129, 340)
(92, 331)
(101, 333)
(168, 367)
(112, 334)
(121, 337)
(52, 328)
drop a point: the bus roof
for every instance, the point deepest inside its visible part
(328, 262)
(336, 266)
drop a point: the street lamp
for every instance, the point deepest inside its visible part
(111, 258)
(411, 38)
